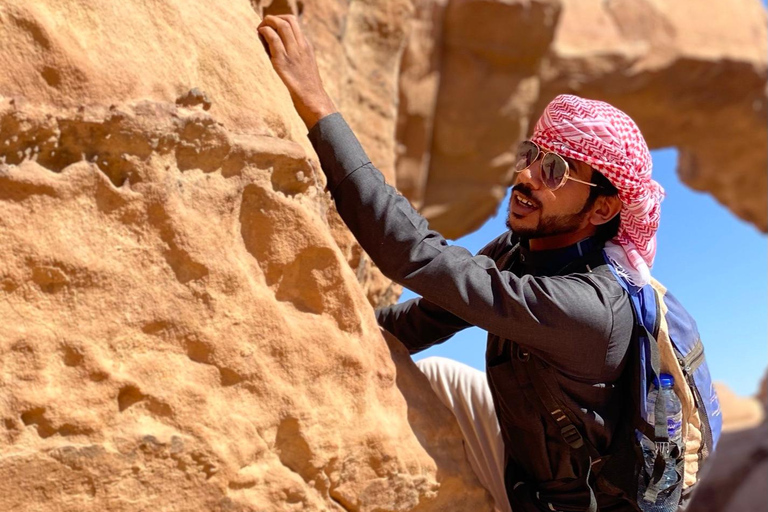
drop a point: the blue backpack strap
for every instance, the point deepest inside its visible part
(646, 310)
(690, 350)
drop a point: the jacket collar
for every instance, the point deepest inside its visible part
(552, 262)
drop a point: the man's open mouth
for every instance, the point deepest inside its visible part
(522, 205)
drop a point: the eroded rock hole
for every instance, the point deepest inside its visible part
(293, 450)
(37, 417)
(50, 279)
(128, 396)
(51, 76)
(72, 356)
(178, 258)
(56, 145)
(291, 180)
(281, 7)
(199, 352)
(229, 377)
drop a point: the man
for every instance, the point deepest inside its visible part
(559, 323)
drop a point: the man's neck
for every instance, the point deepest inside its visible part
(559, 241)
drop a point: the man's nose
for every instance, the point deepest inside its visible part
(531, 175)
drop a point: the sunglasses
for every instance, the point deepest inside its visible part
(554, 170)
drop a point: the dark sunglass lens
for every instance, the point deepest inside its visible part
(552, 170)
(526, 155)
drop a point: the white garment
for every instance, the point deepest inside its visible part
(636, 272)
(464, 390)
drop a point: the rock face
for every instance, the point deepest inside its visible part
(686, 77)
(187, 324)
(488, 68)
(468, 87)
(182, 328)
(739, 412)
(735, 478)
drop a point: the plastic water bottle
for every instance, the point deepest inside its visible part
(672, 406)
(674, 413)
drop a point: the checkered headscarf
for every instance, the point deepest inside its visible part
(610, 142)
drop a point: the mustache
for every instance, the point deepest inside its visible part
(525, 190)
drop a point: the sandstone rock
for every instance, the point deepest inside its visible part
(686, 77)
(69, 54)
(187, 323)
(678, 68)
(193, 333)
(181, 328)
(739, 412)
(467, 102)
(735, 477)
(358, 46)
(420, 75)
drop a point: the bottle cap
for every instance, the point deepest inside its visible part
(667, 381)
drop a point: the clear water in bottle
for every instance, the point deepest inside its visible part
(664, 389)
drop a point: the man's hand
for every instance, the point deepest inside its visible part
(294, 60)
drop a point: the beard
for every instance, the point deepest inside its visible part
(548, 225)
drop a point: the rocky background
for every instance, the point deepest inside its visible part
(187, 325)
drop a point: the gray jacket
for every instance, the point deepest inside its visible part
(563, 307)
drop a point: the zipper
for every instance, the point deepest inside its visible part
(706, 429)
(689, 364)
(693, 360)
(657, 320)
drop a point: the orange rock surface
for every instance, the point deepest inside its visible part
(477, 73)
(187, 324)
(739, 412)
(182, 327)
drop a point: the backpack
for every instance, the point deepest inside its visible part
(666, 340)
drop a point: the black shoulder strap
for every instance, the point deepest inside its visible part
(550, 395)
(552, 404)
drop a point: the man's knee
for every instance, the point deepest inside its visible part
(434, 366)
(451, 379)
(442, 369)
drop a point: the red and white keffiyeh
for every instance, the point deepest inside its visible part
(608, 140)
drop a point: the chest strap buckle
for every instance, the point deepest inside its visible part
(522, 355)
(572, 436)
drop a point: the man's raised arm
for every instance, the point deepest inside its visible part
(534, 311)
(419, 323)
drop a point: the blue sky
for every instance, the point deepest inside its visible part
(714, 263)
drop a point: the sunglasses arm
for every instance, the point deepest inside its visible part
(581, 181)
(568, 178)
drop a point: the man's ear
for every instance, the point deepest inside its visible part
(606, 208)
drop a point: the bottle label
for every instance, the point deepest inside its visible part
(674, 426)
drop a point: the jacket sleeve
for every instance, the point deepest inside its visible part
(551, 315)
(419, 323)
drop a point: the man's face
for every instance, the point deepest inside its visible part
(552, 212)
